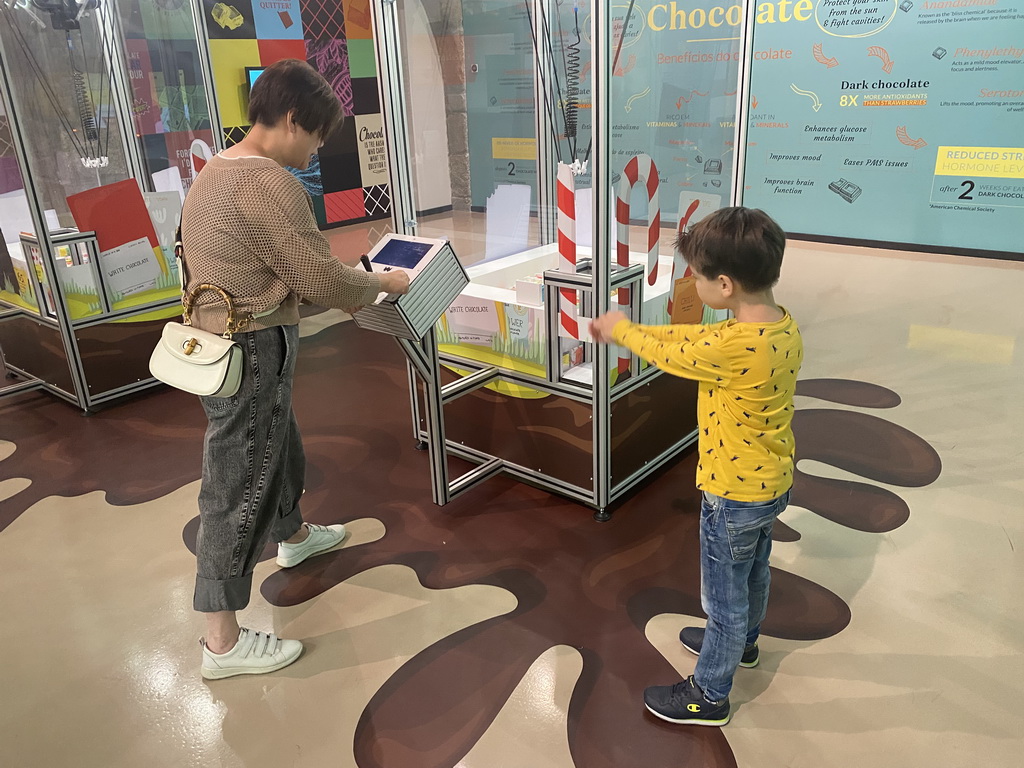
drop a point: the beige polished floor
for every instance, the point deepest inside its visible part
(100, 654)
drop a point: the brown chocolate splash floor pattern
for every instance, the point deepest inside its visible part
(577, 583)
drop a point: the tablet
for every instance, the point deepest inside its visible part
(401, 253)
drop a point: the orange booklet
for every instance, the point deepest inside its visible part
(687, 308)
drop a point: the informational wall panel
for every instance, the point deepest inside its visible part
(891, 120)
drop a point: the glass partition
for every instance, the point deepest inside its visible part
(470, 101)
(64, 87)
(674, 78)
(674, 85)
(60, 69)
(497, 97)
(169, 107)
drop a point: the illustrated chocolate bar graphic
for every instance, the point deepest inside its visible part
(845, 189)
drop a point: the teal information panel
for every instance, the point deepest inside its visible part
(673, 97)
(898, 121)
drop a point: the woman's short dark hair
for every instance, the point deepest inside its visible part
(742, 243)
(289, 85)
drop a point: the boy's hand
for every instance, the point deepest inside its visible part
(601, 327)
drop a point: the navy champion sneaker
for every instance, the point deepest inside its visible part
(692, 639)
(685, 703)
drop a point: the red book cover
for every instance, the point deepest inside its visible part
(118, 215)
(116, 212)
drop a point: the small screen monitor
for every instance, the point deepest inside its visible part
(251, 73)
(402, 253)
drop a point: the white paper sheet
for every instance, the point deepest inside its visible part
(169, 180)
(508, 220)
(584, 217)
(15, 216)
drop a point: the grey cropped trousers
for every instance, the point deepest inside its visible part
(253, 471)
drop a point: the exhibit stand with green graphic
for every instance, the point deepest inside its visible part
(558, 143)
(101, 112)
(889, 122)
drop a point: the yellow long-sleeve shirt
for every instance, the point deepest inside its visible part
(747, 374)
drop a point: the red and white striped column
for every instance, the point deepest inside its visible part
(639, 169)
(568, 319)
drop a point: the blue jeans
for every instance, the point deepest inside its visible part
(735, 542)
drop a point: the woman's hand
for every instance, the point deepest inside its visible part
(394, 282)
(601, 327)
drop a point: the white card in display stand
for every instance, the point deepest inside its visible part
(15, 215)
(584, 217)
(473, 321)
(706, 204)
(169, 180)
(165, 211)
(130, 268)
(508, 220)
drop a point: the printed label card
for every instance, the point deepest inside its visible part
(130, 268)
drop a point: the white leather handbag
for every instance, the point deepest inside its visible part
(197, 361)
(192, 360)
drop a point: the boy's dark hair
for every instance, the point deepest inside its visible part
(289, 85)
(743, 243)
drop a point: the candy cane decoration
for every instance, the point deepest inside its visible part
(677, 260)
(640, 168)
(568, 321)
(200, 153)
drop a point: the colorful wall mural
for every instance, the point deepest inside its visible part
(348, 181)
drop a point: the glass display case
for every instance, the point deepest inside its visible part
(560, 146)
(102, 105)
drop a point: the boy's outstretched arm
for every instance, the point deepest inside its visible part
(675, 332)
(700, 358)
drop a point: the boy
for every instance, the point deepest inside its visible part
(747, 369)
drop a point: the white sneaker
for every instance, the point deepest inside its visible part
(321, 538)
(255, 653)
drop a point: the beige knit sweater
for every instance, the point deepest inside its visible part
(248, 227)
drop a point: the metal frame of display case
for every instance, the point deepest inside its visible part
(25, 382)
(425, 358)
(60, 319)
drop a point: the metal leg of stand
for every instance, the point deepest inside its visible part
(21, 386)
(423, 358)
(414, 403)
(436, 440)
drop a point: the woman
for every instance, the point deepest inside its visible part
(248, 228)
